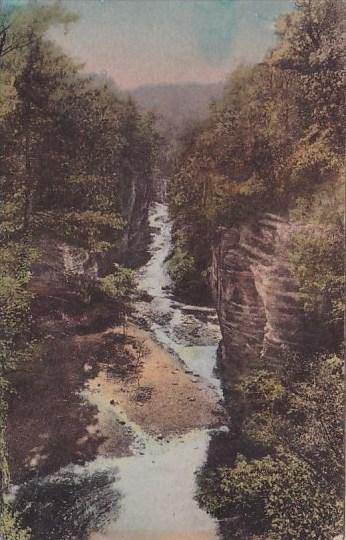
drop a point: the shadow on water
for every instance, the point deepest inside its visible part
(67, 505)
(69, 487)
(50, 424)
(222, 451)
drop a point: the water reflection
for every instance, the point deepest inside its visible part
(67, 505)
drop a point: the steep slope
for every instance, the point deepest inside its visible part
(256, 295)
(64, 275)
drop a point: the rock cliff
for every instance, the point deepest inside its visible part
(136, 207)
(64, 274)
(255, 293)
(62, 283)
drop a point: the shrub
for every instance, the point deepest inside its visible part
(10, 528)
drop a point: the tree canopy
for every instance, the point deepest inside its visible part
(71, 151)
(275, 142)
(276, 136)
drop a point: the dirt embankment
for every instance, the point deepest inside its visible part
(88, 395)
(161, 397)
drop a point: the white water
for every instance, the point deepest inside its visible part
(149, 495)
(192, 332)
(158, 487)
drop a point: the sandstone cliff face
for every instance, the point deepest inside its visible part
(255, 294)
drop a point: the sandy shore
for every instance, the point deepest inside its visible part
(163, 399)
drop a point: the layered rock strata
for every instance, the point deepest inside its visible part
(255, 293)
(62, 283)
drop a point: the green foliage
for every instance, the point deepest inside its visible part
(324, 207)
(242, 490)
(10, 526)
(15, 347)
(272, 498)
(261, 389)
(182, 267)
(186, 274)
(4, 472)
(275, 142)
(74, 147)
(188, 261)
(318, 266)
(15, 299)
(120, 285)
(71, 151)
(93, 229)
(10, 222)
(294, 487)
(277, 134)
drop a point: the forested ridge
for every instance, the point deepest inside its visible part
(71, 150)
(275, 143)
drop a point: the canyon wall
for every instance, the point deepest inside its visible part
(256, 295)
(135, 207)
(63, 275)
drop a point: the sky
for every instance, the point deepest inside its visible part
(140, 42)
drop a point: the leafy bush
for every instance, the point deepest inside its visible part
(10, 526)
(182, 268)
(272, 498)
(275, 136)
(189, 275)
(15, 300)
(119, 285)
(95, 230)
(290, 484)
(318, 266)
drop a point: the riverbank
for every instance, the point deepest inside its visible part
(88, 395)
(163, 398)
(107, 422)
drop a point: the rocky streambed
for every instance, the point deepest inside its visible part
(107, 431)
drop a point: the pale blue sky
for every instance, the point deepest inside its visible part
(156, 41)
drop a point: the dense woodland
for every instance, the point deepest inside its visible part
(275, 142)
(70, 147)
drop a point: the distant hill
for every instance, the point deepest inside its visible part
(177, 105)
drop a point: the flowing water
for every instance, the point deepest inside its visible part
(148, 495)
(191, 332)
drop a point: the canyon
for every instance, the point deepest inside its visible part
(107, 422)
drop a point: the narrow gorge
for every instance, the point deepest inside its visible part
(171, 269)
(116, 431)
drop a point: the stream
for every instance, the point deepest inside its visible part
(148, 495)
